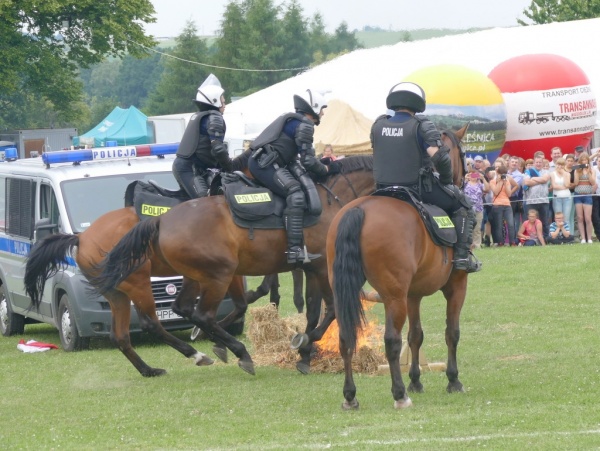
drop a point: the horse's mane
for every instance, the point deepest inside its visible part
(450, 134)
(355, 163)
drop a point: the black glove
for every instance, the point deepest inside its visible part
(326, 160)
(334, 167)
(314, 166)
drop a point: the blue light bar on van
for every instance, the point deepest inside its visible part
(109, 153)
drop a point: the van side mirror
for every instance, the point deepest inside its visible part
(44, 228)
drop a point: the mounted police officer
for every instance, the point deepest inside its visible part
(407, 149)
(276, 164)
(202, 148)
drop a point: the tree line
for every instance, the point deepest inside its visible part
(67, 63)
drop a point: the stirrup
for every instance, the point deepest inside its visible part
(469, 264)
(296, 254)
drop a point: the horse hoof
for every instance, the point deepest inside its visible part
(203, 359)
(304, 368)
(248, 367)
(403, 403)
(221, 353)
(415, 388)
(455, 387)
(299, 340)
(154, 372)
(197, 334)
(352, 405)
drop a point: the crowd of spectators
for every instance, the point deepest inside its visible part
(536, 201)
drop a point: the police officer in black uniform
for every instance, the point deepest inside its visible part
(407, 149)
(276, 164)
(202, 147)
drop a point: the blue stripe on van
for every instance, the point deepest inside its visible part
(22, 248)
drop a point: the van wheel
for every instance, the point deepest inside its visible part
(67, 329)
(10, 323)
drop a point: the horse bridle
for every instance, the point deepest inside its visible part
(331, 195)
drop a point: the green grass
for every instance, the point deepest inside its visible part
(528, 358)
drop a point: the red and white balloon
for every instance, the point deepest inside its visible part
(549, 102)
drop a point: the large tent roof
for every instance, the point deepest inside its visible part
(123, 126)
(363, 78)
(346, 129)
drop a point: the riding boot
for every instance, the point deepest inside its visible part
(200, 185)
(464, 221)
(296, 253)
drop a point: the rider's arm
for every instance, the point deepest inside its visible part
(215, 126)
(303, 137)
(438, 151)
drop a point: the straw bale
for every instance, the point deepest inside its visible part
(271, 335)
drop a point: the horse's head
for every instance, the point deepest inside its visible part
(453, 140)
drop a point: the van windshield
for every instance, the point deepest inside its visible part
(88, 199)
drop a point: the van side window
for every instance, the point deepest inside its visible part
(20, 207)
(48, 204)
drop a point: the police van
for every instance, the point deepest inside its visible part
(65, 191)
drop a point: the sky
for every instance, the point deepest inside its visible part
(172, 15)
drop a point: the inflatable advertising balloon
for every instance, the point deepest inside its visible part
(456, 95)
(549, 102)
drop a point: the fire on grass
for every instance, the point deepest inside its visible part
(270, 336)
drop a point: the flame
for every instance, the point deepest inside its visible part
(370, 335)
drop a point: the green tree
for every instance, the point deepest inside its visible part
(229, 42)
(181, 76)
(42, 44)
(548, 11)
(343, 40)
(137, 77)
(319, 39)
(295, 39)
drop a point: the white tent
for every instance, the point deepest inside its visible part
(363, 78)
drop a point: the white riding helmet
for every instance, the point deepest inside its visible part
(310, 102)
(210, 92)
(407, 95)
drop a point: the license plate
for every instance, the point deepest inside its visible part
(167, 315)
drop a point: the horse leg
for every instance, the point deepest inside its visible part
(119, 333)
(204, 317)
(298, 277)
(454, 291)
(262, 290)
(415, 340)
(275, 297)
(395, 317)
(314, 331)
(138, 288)
(238, 296)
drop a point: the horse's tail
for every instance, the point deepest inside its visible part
(45, 259)
(349, 276)
(131, 252)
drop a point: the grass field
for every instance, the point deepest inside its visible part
(528, 358)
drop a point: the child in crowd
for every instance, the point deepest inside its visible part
(531, 232)
(559, 230)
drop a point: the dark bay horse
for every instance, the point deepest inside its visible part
(200, 240)
(383, 240)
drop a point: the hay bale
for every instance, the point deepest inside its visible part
(271, 335)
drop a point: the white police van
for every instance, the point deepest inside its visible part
(66, 191)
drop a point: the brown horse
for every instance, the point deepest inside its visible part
(200, 240)
(383, 240)
(49, 255)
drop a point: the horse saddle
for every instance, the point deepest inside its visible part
(150, 199)
(254, 206)
(438, 224)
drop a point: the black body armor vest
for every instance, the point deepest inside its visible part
(397, 155)
(285, 146)
(193, 142)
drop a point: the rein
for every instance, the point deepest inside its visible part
(331, 194)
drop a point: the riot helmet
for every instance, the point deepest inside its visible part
(406, 95)
(209, 94)
(310, 102)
